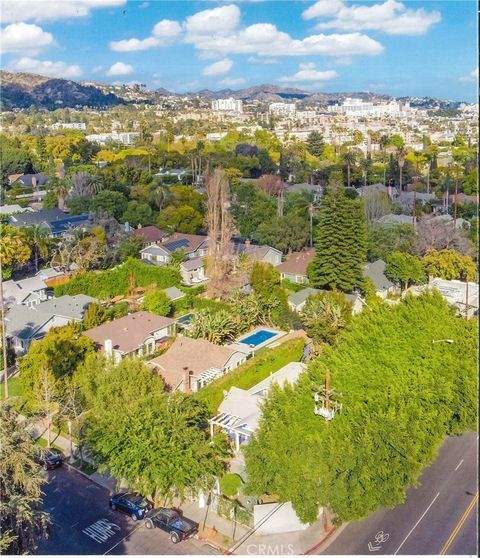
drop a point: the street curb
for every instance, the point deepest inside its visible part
(86, 476)
(214, 544)
(319, 544)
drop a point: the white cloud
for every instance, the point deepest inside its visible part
(323, 8)
(264, 39)
(24, 37)
(391, 17)
(232, 81)
(472, 76)
(47, 68)
(163, 33)
(218, 68)
(120, 69)
(216, 21)
(144, 5)
(267, 61)
(51, 10)
(97, 69)
(308, 72)
(131, 45)
(167, 29)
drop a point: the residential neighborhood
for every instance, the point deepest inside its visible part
(239, 283)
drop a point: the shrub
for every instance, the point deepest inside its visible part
(230, 484)
(157, 302)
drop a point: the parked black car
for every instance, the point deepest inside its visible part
(50, 458)
(178, 527)
(131, 503)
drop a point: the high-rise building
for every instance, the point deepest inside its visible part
(230, 105)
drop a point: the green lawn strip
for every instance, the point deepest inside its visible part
(251, 372)
(15, 388)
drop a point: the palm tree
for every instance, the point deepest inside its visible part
(400, 155)
(39, 241)
(61, 189)
(383, 145)
(350, 158)
(366, 165)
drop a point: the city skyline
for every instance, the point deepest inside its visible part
(412, 48)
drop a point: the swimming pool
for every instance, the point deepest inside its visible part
(258, 337)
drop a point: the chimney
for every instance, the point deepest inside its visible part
(108, 347)
(390, 191)
(247, 243)
(34, 181)
(186, 380)
(139, 226)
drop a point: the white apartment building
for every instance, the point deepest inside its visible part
(69, 126)
(230, 105)
(356, 107)
(216, 136)
(283, 109)
(127, 138)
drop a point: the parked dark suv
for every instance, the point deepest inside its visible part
(50, 458)
(131, 503)
(178, 527)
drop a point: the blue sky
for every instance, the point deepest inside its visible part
(388, 46)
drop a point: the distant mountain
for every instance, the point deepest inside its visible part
(23, 90)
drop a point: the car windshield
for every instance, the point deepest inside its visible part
(137, 500)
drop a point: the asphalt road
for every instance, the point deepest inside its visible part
(439, 516)
(83, 523)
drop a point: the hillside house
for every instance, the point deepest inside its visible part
(294, 268)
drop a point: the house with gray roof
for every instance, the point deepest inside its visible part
(294, 268)
(25, 324)
(241, 410)
(174, 293)
(29, 291)
(375, 271)
(297, 301)
(56, 221)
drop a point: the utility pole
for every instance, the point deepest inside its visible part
(455, 198)
(328, 408)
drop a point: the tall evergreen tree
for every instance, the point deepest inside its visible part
(341, 240)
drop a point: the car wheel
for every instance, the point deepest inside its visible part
(45, 467)
(113, 506)
(134, 516)
(149, 524)
(174, 537)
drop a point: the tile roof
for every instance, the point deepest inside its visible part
(129, 332)
(149, 233)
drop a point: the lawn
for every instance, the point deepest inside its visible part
(251, 372)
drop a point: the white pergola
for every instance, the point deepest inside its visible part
(231, 424)
(207, 377)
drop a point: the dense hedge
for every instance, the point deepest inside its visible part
(401, 395)
(117, 281)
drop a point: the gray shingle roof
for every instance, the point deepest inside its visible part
(376, 272)
(174, 293)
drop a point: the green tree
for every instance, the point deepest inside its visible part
(129, 248)
(340, 243)
(315, 144)
(60, 352)
(325, 315)
(157, 302)
(184, 219)
(386, 432)
(22, 522)
(170, 457)
(138, 213)
(94, 316)
(110, 202)
(405, 269)
(449, 264)
(286, 233)
(217, 327)
(39, 240)
(385, 239)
